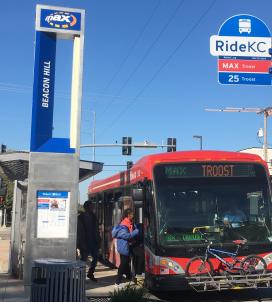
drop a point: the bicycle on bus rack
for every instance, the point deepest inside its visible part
(249, 272)
(200, 266)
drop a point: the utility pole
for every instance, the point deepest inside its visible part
(94, 126)
(265, 111)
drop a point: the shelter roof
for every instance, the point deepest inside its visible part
(14, 164)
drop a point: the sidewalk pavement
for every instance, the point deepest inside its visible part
(4, 249)
(11, 290)
(105, 282)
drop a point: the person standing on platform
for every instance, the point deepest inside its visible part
(124, 232)
(88, 238)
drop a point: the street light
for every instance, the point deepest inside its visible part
(200, 140)
(265, 111)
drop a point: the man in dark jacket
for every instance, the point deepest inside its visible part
(138, 251)
(88, 239)
(124, 232)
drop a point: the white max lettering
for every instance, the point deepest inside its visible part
(58, 18)
(46, 84)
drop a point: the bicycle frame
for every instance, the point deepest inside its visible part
(215, 252)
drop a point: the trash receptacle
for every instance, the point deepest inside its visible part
(58, 280)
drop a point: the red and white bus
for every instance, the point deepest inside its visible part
(173, 193)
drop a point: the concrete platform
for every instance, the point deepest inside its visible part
(11, 290)
(105, 282)
(4, 249)
(105, 285)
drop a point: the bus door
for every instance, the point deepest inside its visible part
(108, 215)
(100, 216)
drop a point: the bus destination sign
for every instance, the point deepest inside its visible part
(209, 170)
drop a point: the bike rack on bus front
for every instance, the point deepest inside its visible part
(229, 281)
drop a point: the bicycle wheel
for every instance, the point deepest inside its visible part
(253, 264)
(197, 266)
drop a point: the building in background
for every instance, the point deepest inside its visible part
(260, 152)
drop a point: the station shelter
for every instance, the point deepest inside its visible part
(15, 165)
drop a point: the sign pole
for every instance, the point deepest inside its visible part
(265, 136)
(53, 179)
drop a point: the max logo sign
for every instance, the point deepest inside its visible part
(61, 20)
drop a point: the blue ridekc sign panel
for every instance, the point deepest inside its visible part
(244, 78)
(244, 26)
(242, 47)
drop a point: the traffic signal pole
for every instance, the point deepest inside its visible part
(127, 145)
(136, 145)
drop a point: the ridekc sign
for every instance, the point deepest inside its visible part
(242, 47)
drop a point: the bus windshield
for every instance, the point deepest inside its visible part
(226, 201)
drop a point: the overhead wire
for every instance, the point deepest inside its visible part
(141, 33)
(133, 46)
(170, 19)
(168, 59)
(60, 95)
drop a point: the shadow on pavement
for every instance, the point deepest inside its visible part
(230, 296)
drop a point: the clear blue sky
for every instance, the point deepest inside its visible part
(148, 73)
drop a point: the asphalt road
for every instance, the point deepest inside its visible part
(230, 296)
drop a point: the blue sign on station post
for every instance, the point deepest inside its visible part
(242, 47)
(52, 24)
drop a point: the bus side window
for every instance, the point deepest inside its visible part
(117, 213)
(100, 212)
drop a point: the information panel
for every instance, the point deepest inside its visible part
(53, 214)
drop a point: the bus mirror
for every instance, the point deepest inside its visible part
(137, 196)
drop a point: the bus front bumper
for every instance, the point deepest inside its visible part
(167, 282)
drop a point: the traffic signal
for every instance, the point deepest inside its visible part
(129, 164)
(3, 148)
(126, 140)
(171, 141)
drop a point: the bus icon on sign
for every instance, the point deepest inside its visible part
(244, 26)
